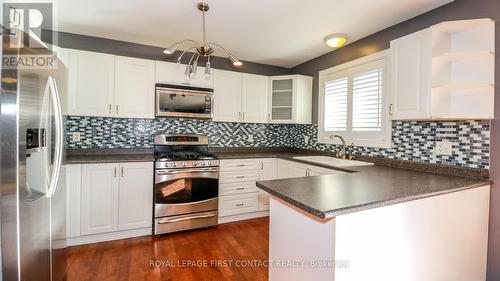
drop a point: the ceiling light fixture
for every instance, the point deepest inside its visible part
(202, 50)
(335, 40)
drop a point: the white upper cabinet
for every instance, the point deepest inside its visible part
(410, 80)
(110, 86)
(134, 87)
(290, 99)
(240, 97)
(91, 83)
(173, 73)
(227, 91)
(254, 98)
(445, 72)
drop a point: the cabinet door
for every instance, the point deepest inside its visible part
(91, 83)
(254, 98)
(282, 99)
(268, 171)
(227, 88)
(289, 169)
(410, 75)
(136, 195)
(134, 88)
(173, 73)
(99, 202)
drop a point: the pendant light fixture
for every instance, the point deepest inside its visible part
(199, 50)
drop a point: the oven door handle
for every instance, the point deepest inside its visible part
(165, 221)
(183, 171)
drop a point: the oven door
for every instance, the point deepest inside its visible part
(172, 102)
(184, 191)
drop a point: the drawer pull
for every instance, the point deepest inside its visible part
(240, 165)
(240, 205)
(240, 188)
(240, 177)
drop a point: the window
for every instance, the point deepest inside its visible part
(353, 99)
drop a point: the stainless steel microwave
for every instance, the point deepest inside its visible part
(184, 101)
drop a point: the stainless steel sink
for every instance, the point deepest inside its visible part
(332, 161)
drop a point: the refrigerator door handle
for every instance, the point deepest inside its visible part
(58, 153)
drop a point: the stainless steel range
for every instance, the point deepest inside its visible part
(186, 183)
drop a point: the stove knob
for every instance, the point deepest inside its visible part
(174, 164)
(184, 164)
(208, 163)
(195, 164)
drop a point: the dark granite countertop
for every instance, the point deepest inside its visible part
(89, 156)
(360, 188)
(370, 187)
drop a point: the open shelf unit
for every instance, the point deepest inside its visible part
(463, 67)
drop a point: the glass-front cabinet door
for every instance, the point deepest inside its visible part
(282, 99)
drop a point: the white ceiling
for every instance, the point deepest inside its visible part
(276, 32)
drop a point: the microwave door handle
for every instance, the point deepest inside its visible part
(56, 103)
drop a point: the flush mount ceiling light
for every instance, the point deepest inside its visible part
(335, 40)
(202, 50)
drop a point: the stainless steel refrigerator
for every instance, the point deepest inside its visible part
(32, 206)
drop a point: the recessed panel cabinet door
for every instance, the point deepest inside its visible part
(410, 75)
(134, 88)
(91, 83)
(227, 90)
(255, 90)
(99, 202)
(268, 171)
(136, 195)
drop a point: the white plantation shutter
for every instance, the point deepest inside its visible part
(353, 97)
(336, 104)
(367, 101)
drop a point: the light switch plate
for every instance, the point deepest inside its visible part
(443, 148)
(76, 136)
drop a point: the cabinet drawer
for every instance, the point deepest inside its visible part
(238, 204)
(239, 176)
(237, 188)
(239, 165)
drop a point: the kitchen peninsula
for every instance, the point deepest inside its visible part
(379, 223)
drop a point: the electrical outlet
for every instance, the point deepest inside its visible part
(250, 138)
(443, 148)
(76, 136)
(306, 140)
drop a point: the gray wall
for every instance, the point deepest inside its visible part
(460, 9)
(122, 48)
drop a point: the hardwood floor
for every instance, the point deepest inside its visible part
(170, 257)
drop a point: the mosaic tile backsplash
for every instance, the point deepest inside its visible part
(411, 140)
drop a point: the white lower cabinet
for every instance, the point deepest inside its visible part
(135, 196)
(237, 189)
(99, 205)
(292, 169)
(104, 199)
(238, 204)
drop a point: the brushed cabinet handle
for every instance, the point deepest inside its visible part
(240, 204)
(116, 109)
(239, 115)
(391, 106)
(122, 172)
(115, 171)
(240, 188)
(243, 115)
(240, 177)
(109, 108)
(240, 165)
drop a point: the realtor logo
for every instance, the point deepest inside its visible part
(25, 22)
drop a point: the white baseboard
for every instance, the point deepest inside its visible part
(96, 238)
(243, 217)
